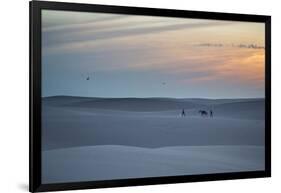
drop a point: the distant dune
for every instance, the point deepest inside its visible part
(244, 109)
(122, 104)
(156, 104)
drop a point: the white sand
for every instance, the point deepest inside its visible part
(110, 138)
(120, 162)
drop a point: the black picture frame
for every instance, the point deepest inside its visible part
(35, 184)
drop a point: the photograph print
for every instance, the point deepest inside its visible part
(131, 96)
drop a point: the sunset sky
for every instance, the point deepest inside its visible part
(145, 56)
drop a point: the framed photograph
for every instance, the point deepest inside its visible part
(125, 96)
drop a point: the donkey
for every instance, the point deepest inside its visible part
(203, 113)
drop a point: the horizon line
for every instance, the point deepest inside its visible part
(211, 98)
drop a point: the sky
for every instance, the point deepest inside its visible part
(148, 56)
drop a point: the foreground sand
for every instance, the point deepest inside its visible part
(121, 162)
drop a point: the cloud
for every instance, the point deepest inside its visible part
(76, 35)
(249, 46)
(49, 27)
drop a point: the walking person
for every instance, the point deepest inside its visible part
(183, 113)
(211, 113)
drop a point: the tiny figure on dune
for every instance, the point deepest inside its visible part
(183, 113)
(203, 113)
(211, 113)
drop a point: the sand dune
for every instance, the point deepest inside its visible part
(121, 162)
(145, 104)
(68, 128)
(123, 104)
(71, 125)
(98, 138)
(244, 110)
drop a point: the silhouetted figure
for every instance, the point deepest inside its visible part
(211, 113)
(183, 113)
(88, 78)
(203, 113)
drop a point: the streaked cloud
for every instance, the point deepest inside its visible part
(75, 36)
